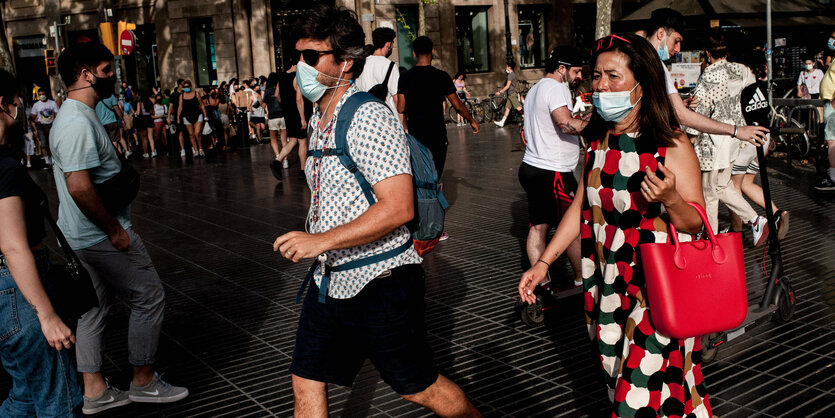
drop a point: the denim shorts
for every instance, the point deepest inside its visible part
(44, 382)
(384, 323)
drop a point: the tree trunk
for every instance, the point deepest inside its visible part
(6, 62)
(604, 18)
(421, 20)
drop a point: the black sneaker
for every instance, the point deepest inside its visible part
(825, 184)
(275, 167)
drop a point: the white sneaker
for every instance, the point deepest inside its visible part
(145, 155)
(201, 153)
(193, 151)
(285, 163)
(182, 153)
(500, 123)
(128, 154)
(154, 154)
(759, 229)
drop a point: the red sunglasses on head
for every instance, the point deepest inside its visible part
(608, 42)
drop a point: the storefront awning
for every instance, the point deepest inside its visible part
(742, 13)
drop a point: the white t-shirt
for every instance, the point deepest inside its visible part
(671, 87)
(45, 111)
(159, 109)
(374, 72)
(549, 148)
(811, 80)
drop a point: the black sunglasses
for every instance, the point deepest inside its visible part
(311, 56)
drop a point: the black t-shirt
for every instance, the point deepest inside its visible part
(754, 100)
(274, 110)
(175, 101)
(425, 89)
(15, 181)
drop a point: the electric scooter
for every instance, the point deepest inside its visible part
(546, 298)
(778, 302)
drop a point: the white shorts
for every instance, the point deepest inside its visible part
(199, 120)
(746, 162)
(277, 124)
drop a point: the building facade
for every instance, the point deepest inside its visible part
(209, 41)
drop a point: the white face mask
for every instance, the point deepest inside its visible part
(42, 98)
(810, 67)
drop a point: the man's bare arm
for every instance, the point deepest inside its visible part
(566, 124)
(394, 208)
(85, 196)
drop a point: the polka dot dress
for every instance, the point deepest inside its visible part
(648, 374)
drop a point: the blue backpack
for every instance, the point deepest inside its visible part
(430, 203)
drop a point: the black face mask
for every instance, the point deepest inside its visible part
(104, 86)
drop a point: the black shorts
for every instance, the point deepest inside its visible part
(384, 323)
(257, 119)
(550, 193)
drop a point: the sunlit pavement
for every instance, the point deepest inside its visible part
(230, 319)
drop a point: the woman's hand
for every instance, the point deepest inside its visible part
(656, 190)
(530, 279)
(56, 332)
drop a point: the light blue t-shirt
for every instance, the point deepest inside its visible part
(78, 142)
(105, 110)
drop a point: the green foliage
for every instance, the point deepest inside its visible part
(402, 21)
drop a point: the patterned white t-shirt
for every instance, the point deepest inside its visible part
(377, 144)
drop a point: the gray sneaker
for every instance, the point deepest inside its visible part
(110, 398)
(158, 391)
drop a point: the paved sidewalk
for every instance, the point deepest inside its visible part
(230, 318)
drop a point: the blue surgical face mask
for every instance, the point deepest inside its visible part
(309, 86)
(615, 105)
(186, 90)
(831, 44)
(663, 52)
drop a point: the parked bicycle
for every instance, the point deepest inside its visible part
(474, 106)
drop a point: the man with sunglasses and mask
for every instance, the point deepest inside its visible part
(664, 32)
(372, 308)
(105, 242)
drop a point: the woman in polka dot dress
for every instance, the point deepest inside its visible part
(640, 171)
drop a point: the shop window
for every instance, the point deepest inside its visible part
(407, 27)
(532, 38)
(472, 39)
(203, 49)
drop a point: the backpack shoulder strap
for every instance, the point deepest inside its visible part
(343, 122)
(388, 74)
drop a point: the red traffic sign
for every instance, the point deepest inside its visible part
(127, 41)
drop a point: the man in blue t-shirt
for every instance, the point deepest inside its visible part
(110, 113)
(105, 242)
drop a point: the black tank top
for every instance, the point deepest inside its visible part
(190, 106)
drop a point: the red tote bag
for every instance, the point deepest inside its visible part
(695, 288)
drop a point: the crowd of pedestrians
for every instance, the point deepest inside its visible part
(649, 152)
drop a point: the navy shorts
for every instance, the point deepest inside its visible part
(384, 323)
